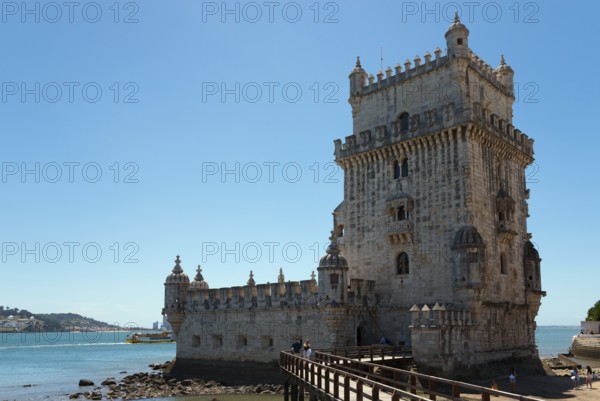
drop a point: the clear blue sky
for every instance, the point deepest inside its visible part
(170, 95)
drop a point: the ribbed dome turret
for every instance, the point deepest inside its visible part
(333, 257)
(199, 283)
(503, 67)
(530, 252)
(456, 25)
(177, 276)
(468, 237)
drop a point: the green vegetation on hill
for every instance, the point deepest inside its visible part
(594, 312)
(55, 321)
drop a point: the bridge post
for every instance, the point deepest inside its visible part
(294, 391)
(346, 388)
(301, 392)
(359, 390)
(456, 391)
(432, 389)
(286, 391)
(485, 396)
(336, 385)
(413, 384)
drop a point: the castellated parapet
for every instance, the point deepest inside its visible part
(432, 229)
(254, 322)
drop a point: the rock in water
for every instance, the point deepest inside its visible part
(86, 382)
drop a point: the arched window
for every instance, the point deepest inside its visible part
(396, 169)
(401, 214)
(404, 171)
(503, 263)
(403, 122)
(402, 263)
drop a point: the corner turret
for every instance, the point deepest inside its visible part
(505, 75)
(176, 286)
(358, 79)
(333, 274)
(457, 39)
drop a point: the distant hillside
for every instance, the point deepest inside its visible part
(27, 321)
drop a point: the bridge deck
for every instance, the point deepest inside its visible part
(361, 376)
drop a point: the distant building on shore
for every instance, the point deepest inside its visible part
(432, 229)
(16, 323)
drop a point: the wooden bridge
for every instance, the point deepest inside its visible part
(358, 373)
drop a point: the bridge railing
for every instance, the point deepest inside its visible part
(370, 352)
(341, 384)
(326, 371)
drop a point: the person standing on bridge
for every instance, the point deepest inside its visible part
(512, 378)
(306, 350)
(297, 346)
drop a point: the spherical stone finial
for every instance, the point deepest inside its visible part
(199, 282)
(333, 257)
(251, 281)
(177, 275)
(177, 268)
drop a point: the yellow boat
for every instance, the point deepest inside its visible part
(150, 338)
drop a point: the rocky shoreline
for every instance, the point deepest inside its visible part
(153, 385)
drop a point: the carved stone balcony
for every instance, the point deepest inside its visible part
(400, 232)
(506, 230)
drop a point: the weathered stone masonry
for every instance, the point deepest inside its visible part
(433, 229)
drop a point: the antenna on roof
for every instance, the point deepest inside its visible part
(381, 59)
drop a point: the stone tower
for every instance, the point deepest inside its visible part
(435, 207)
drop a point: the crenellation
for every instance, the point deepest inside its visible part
(388, 73)
(427, 58)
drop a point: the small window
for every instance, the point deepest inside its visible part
(402, 263)
(405, 168)
(396, 169)
(401, 214)
(196, 341)
(459, 41)
(266, 342)
(503, 263)
(217, 340)
(403, 122)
